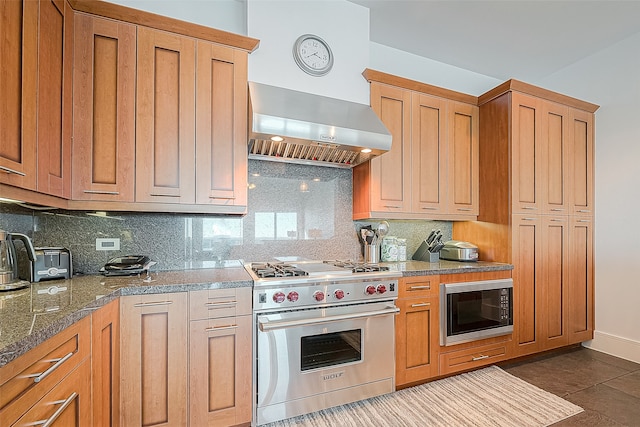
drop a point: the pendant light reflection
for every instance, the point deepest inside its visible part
(304, 187)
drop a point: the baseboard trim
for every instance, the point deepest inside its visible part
(615, 346)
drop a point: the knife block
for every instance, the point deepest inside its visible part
(423, 254)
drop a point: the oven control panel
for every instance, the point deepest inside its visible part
(319, 294)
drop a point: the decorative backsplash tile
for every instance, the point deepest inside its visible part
(294, 210)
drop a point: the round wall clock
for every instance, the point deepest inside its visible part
(313, 55)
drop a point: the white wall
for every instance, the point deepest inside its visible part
(610, 79)
(343, 25)
(227, 15)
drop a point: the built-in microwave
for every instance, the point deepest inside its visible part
(471, 311)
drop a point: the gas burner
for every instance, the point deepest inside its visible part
(357, 267)
(266, 269)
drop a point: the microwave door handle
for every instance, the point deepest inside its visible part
(265, 325)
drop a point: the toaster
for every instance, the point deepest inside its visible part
(455, 250)
(51, 263)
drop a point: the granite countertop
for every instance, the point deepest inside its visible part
(32, 315)
(423, 268)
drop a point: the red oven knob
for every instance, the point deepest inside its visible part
(292, 296)
(381, 289)
(339, 293)
(278, 297)
(370, 290)
(318, 295)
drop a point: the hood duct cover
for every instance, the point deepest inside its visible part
(316, 129)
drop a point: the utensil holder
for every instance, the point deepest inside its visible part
(371, 254)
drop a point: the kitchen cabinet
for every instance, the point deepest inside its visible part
(18, 83)
(56, 369)
(416, 329)
(540, 147)
(153, 359)
(105, 365)
(431, 171)
(165, 117)
(220, 336)
(35, 95)
(104, 109)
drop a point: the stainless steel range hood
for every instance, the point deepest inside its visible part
(315, 129)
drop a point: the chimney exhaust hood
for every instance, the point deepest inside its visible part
(297, 127)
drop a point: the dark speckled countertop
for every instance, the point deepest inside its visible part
(32, 315)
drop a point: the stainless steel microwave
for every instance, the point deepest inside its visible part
(471, 311)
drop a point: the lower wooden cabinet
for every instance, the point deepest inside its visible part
(26, 380)
(417, 330)
(105, 365)
(473, 357)
(153, 351)
(68, 404)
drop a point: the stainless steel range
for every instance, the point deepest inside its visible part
(324, 335)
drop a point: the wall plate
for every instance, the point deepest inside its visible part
(108, 244)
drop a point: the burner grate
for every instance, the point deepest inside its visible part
(267, 269)
(358, 267)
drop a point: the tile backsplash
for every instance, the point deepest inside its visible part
(294, 210)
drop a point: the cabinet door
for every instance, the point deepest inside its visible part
(105, 364)
(527, 154)
(104, 109)
(553, 282)
(18, 82)
(165, 118)
(580, 299)
(55, 77)
(554, 168)
(390, 181)
(220, 371)
(416, 339)
(153, 360)
(527, 252)
(581, 154)
(428, 154)
(221, 126)
(463, 156)
(68, 404)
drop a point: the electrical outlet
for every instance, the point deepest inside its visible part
(108, 244)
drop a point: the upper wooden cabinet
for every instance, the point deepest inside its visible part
(581, 154)
(18, 82)
(35, 95)
(104, 109)
(165, 118)
(221, 126)
(431, 171)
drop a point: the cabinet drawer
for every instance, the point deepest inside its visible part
(68, 404)
(418, 286)
(215, 303)
(25, 380)
(472, 358)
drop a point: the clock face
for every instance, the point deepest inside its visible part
(313, 55)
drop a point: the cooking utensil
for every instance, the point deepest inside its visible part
(383, 229)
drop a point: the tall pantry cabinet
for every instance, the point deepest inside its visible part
(536, 209)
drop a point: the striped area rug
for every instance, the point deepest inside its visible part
(484, 398)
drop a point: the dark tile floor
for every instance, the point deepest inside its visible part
(606, 387)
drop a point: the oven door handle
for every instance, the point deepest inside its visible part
(265, 325)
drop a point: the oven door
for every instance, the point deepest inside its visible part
(312, 359)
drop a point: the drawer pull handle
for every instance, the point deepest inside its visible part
(111, 193)
(428, 208)
(584, 210)
(220, 305)
(223, 198)
(151, 304)
(556, 210)
(220, 328)
(59, 411)
(465, 209)
(420, 287)
(558, 219)
(15, 172)
(484, 356)
(531, 208)
(392, 206)
(584, 220)
(42, 375)
(529, 219)
(422, 304)
(163, 195)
